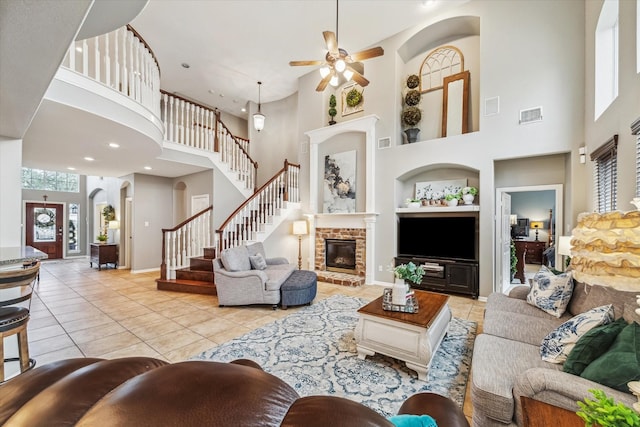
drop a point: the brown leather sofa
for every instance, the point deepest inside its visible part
(139, 391)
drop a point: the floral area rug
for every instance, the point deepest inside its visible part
(314, 351)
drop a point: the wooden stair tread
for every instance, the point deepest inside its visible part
(186, 285)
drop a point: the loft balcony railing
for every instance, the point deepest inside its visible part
(195, 125)
(121, 60)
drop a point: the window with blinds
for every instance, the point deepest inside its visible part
(605, 175)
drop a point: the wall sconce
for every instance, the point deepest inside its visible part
(258, 118)
(536, 225)
(300, 229)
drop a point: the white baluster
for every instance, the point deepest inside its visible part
(96, 58)
(85, 58)
(72, 56)
(116, 59)
(107, 61)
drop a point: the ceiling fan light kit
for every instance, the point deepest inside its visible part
(338, 63)
(258, 118)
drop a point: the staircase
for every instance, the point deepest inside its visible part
(188, 249)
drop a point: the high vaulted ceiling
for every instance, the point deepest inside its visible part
(230, 45)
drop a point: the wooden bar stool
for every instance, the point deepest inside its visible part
(16, 288)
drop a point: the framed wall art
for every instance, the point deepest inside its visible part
(340, 182)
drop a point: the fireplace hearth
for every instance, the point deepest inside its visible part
(340, 255)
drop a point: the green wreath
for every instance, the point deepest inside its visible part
(45, 218)
(353, 97)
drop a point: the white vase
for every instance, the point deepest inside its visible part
(452, 202)
(413, 205)
(399, 292)
(468, 198)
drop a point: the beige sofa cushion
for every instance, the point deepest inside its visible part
(236, 259)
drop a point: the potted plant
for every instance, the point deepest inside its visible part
(410, 272)
(468, 194)
(332, 109)
(411, 115)
(452, 199)
(101, 238)
(413, 203)
(604, 412)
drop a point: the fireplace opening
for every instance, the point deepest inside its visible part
(340, 255)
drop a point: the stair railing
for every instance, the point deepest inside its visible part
(121, 60)
(257, 209)
(185, 240)
(194, 125)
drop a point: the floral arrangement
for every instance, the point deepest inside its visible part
(470, 190)
(412, 97)
(452, 196)
(413, 81)
(410, 272)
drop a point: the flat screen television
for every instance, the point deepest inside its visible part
(449, 236)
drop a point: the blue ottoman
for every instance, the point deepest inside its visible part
(300, 288)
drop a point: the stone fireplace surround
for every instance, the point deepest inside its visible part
(358, 224)
(357, 234)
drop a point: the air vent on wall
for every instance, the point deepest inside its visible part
(492, 106)
(531, 115)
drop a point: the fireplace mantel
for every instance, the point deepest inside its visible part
(367, 219)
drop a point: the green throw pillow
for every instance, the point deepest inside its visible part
(621, 363)
(592, 345)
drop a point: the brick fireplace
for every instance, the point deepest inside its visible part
(359, 235)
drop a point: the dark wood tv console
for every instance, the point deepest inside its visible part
(445, 275)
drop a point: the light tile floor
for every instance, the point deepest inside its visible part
(78, 311)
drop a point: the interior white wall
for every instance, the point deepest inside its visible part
(531, 67)
(11, 195)
(195, 184)
(621, 113)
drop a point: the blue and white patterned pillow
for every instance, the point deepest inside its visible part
(558, 344)
(550, 292)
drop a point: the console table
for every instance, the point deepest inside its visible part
(104, 253)
(541, 414)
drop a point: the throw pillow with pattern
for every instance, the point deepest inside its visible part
(558, 344)
(258, 262)
(550, 292)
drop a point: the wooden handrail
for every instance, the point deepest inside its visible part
(235, 138)
(188, 220)
(254, 195)
(143, 41)
(163, 272)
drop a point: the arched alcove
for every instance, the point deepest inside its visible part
(406, 182)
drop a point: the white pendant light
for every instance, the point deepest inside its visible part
(348, 74)
(324, 71)
(340, 65)
(334, 80)
(258, 118)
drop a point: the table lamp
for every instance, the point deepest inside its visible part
(536, 225)
(300, 229)
(114, 225)
(564, 248)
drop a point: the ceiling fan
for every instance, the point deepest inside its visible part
(338, 62)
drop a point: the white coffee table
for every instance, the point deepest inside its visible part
(410, 337)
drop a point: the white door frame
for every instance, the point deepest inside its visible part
(128, 231)
(559, 222)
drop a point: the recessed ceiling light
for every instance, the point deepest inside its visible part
(244, 110)
(89, 159)
(114, 145)
(71, 168)
(428, 3)
(211, 91)
(185, 65)
(78, 49)
(147, 168)
(222, 95)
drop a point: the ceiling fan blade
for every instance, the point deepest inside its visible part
(299, 63)
(332, 43)
(324, 82)
(356, 67)
(367, 54)
(359, 78)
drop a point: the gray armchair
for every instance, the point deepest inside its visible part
(244, 275)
